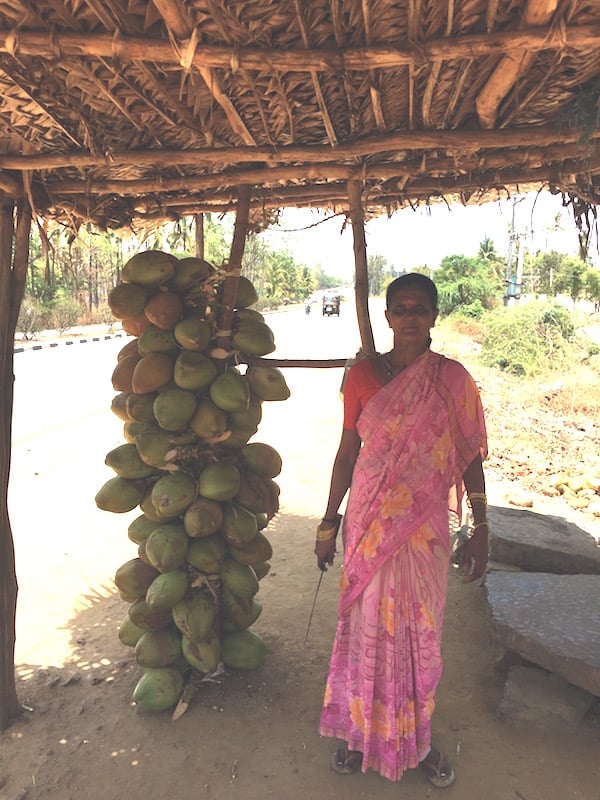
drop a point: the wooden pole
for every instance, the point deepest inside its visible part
(361, 273)
(199, 232)
(13, 273)
(234, 267)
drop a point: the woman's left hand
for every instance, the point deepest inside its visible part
(475, 554)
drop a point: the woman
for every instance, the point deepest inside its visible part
(413, 436)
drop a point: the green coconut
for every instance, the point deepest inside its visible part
(134, 577)
(204, 655)
(191, 270)
(126, 462)
(172, 494)
(261, 569)
(166, 547)
(173, 408)
(158, 648)
(267, 383)
(139, 406)
(208, 554)
(202, 518)
(156, 340)
(152, 372)
(149, 268)
(193, 333)
(153, 447)
(193, 371)
(146, 618)
(120, 495)
(208, 421)
(241, 612)
(240, 579)
(167, 589)
(230, 391)
(132, 429)
(158, 689)
(257, 551)
(140, 529)
(246, 293)
(219, 481)
(118, 406)
(262, 459)
(194, 616)
(243, 650)
(122, 375)
(128, 633)
(253, 337)
(127, 300)
(239, 525)
(147, 506)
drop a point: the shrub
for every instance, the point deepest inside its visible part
(529, 339)
(33, 318)
(65, 313)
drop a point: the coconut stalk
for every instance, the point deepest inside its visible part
(13, 273)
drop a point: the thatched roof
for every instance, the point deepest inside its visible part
(126, 109)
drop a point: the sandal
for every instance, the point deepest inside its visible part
(438, 769)
(346, 762)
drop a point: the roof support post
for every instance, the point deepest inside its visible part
(361, 273)
(234, 267)
(13, 274)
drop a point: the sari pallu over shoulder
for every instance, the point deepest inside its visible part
(419, 433)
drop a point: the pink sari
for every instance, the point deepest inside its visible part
(419, 434)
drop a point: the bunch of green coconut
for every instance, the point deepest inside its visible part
(190, 403)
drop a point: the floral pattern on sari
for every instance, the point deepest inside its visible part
(419, 433)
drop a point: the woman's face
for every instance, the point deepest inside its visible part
(411, 315)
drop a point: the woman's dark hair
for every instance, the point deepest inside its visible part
(412, 279)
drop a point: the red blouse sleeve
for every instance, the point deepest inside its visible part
(360, 385)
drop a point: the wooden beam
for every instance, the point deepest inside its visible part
(573, 155)
(473, 141)
(361, 272)
(360, 59)
(177, 23)
(512, 65)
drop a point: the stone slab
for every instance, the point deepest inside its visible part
(550, 620)
(536, 697)
(541, 543)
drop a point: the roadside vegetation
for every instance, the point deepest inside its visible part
(524, 314)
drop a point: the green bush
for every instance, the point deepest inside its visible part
(528, 339)
(33, 318)
(65, 313)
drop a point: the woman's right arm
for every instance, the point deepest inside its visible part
(341, 478)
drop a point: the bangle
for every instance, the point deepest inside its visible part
(331, 520)
(481, 496)
(326, 535)
(479, 525)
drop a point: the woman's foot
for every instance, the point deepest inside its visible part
(438, 769)
(346, 762)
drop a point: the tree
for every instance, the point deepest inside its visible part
(571, 279)
(468, 285)
(379, 273)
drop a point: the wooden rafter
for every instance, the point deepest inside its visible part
(458, 141)
(537, 13)
(137, 48)
(176, 22)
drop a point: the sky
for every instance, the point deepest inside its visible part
(423, 237)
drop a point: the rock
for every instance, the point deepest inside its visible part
(536, 697)
(549, 620)
(541, 543)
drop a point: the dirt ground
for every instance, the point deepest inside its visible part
(254, 735)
